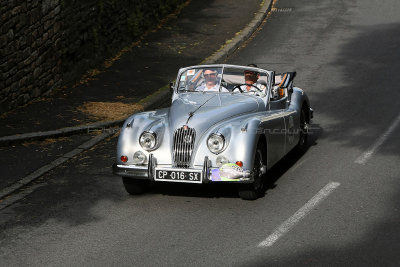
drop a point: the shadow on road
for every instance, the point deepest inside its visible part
(293, 157)
(368, 105)
(363, 102)
(379, 246)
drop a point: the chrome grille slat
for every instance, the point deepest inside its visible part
(175, 146)
(186, 152)
(182, 149)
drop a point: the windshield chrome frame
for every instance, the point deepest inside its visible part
(223, 66)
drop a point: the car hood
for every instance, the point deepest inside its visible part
(201, 111)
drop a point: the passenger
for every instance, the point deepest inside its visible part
(211, 82)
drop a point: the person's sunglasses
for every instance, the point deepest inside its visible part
(210, 75)
(250, 73)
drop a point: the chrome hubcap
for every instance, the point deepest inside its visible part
(261, 169)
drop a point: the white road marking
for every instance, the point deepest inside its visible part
(368, 154)
(299, 215)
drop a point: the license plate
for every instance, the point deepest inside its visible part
(178, 176)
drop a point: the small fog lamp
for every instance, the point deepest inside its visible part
(221, 160)
(139, 158)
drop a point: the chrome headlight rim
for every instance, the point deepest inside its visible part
(216, 136)
(149, 135)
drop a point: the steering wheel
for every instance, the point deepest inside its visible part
(186, 88)
(240, 89)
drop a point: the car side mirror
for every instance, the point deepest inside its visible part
(287, 80)
(171, 87)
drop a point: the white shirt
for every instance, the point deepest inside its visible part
(252, 89)
(215, 88)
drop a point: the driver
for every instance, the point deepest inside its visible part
(211, 82)
(251, 85)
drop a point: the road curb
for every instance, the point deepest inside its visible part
(154, 98)
(6, 192)
(243, 35)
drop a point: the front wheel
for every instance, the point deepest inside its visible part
(254, 190)
(134, 186)
(302, 144)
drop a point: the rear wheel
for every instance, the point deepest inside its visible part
(254, 190)
(134, 186)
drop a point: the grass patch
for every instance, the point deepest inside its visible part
(105, 111)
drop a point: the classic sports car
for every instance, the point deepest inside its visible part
(226, 124)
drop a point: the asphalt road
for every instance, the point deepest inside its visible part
(346, 54)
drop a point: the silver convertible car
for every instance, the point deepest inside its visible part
(226, 124)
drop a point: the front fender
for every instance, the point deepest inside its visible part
(241, 138)
(135, 125)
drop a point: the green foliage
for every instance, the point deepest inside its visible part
(135, 22)
(95, 38)
(100, 6)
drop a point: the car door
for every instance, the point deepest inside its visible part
(276, 130)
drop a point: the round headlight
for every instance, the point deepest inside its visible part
(148, 140)
(215, 143)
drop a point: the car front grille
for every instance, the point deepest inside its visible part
(183, 146)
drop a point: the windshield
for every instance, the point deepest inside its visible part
(200, 80)
(227, 79)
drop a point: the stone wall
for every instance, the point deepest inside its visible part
(45, 44)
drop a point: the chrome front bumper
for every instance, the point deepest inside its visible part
(133, 171)
(147, 172)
